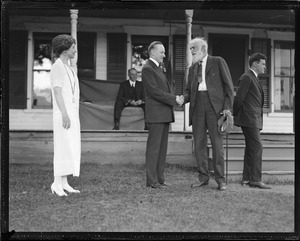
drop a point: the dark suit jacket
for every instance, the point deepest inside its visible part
(158, 95)
(248, 102)
(124, 93)
(219, 85)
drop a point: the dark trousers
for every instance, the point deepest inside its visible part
(253, 154)
(119, 107)
(205, 118)
(156, 152)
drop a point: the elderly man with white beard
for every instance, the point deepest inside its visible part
(210, 93)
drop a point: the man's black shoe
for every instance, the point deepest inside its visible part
(244, 183)
(164, 184)
(199, 184)
(116, 126)
(221, 186)
(260, 185)
(155, 185)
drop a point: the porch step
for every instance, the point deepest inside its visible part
(107, 147)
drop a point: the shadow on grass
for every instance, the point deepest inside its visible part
(114, 198)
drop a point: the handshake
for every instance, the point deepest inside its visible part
(135, 103)
(179, 100)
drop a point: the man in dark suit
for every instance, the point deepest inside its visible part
(210, 93)
(159, 114)
(131, 93)
(248, 113)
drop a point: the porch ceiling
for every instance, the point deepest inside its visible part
(253, 16)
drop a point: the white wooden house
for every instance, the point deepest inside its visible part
(112, 39)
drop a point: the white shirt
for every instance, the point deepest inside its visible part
(202, 86)
(132, 83)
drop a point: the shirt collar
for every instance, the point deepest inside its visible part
(254, 73)
(157, 64)
(132, 83)
(204, 60)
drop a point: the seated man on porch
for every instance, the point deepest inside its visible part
(131, 93)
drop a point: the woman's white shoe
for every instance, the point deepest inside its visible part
(70, 189)
(58, 190)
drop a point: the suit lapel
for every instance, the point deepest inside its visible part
(256, 80)
(128, 84)
(208, 65)
(258, 83)
(160, 72)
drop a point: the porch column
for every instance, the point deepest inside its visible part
(189, 18)
(74, 17)
(129, 52)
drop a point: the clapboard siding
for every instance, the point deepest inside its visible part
(278, 124)
(179, 121)
(30, 120)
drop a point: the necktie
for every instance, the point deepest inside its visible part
(200, 72)
(161, 66)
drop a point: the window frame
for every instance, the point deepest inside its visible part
(290, 77)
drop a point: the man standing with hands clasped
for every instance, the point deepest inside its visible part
(248, 113)
(159, 100)
(210, 93)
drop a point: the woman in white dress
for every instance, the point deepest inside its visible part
(66, 124)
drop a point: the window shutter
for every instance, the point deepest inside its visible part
(179, 50)
(116, 57)
(264, 46)
(86, 54)
(17, 69)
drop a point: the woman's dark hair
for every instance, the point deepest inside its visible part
(61, 43)
(256, 57)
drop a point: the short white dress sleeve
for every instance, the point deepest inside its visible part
(67, 142)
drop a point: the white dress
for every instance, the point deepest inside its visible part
(67, 142)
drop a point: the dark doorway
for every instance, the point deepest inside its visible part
(233, 48)
(140, 44)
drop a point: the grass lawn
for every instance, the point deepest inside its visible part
(114, 198)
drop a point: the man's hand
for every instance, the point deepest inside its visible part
(134, 103)
(226, 112)
(180, 100)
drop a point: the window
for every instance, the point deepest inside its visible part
(139, 57)
(41, 94)
(86, 55)
(41, 84)
(284, 74)
(140, 44)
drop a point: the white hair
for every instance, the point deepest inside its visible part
(199, 42)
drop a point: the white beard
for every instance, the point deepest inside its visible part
(195, 58)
